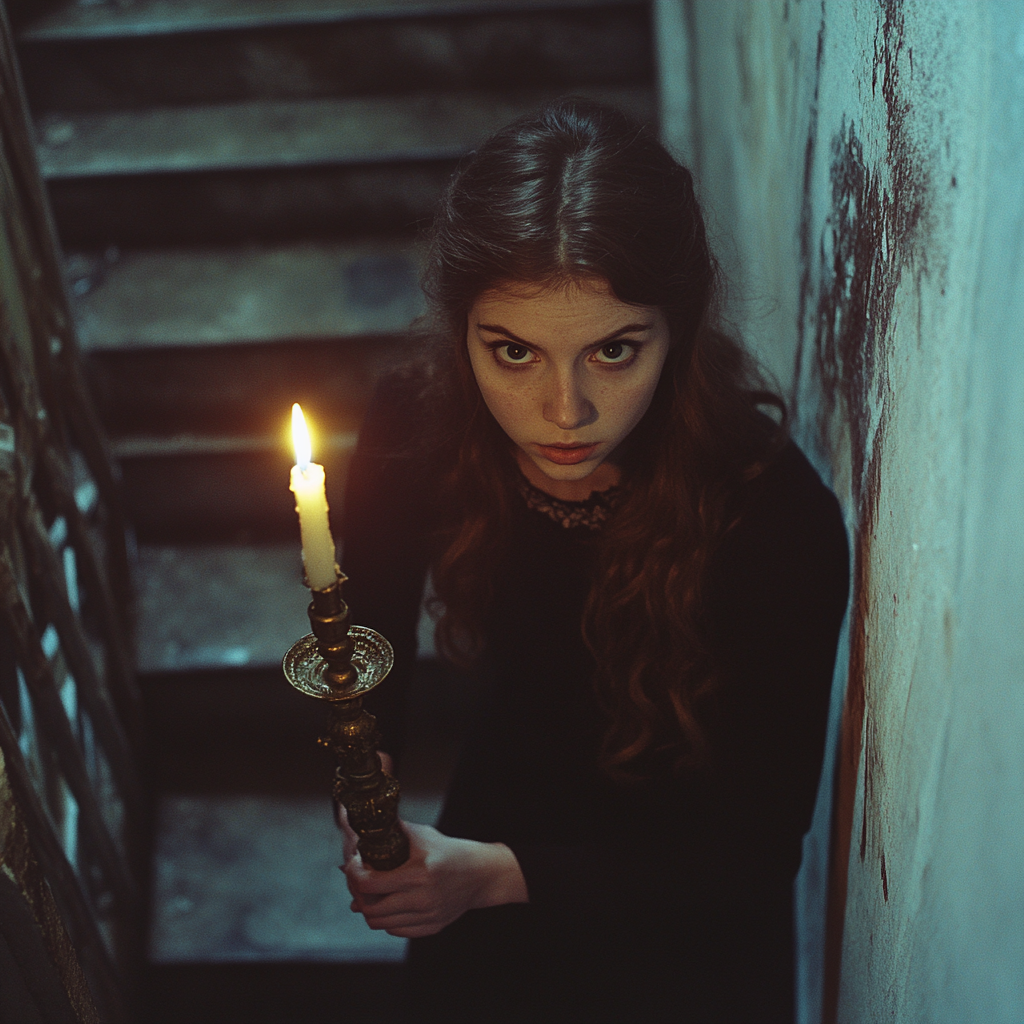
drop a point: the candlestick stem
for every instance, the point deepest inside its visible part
(344, 663)
(367, 791)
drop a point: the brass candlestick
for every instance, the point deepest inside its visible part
(339, 663)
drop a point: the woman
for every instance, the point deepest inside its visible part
(646, 577)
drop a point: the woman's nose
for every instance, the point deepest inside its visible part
(566, 405)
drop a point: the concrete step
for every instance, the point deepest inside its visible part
(74, 20)
(179, 496)
(325, 202)
(217, 398)
(202, 433)
(263, 992)
(235, 731)
(216, 606)
(207, 606)
(148, 53)
(287, 133)
(248, 877)
(182, 297)
(197, 357)
(246, 852)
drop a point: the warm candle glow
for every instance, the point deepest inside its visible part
(300, 438)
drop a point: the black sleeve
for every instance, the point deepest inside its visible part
(385, 540)
(730, 834)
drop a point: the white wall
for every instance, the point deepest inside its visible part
(864, 162)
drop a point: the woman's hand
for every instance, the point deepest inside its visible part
(441, 880)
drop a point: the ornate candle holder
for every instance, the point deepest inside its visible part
(339, 663)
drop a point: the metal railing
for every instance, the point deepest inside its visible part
(70, 712)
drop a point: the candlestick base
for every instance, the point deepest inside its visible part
(372, 658)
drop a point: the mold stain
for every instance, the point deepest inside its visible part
(873, 235)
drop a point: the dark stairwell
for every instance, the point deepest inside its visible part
(239, 188)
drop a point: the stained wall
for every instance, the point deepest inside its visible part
(864, 165)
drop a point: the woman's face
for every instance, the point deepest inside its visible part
(567, 371)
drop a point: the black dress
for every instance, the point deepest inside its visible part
(669, 900)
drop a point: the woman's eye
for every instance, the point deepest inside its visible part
(614, 352)
(513, 353)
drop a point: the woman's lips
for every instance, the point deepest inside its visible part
(567, 454)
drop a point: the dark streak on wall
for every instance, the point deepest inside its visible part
(806, 217)
(875, 231)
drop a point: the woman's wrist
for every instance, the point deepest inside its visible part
(504, 878)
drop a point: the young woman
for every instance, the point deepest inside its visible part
(646, 577)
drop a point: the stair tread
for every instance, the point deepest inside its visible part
(248, 877)
(286, 133)
(177, 297)
(75, 20)
(210, 606)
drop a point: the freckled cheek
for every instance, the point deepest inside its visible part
(624, 408)
(515, 409)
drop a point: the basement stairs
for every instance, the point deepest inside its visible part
(240, 189)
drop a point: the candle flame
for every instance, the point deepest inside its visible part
(300, 438)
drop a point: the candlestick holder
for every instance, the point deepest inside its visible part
(340, 663)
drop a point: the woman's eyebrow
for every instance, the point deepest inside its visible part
(505, 332)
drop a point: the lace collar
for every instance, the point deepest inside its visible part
(591, 513)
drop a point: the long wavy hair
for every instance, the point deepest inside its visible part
(580, 191)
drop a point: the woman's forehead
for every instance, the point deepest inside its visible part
(576, 300)
(573, 285)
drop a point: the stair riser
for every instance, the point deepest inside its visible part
(557, 49)
(238, 390)
(221, 498)
(229, 207)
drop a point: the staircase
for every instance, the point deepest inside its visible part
(239, 188)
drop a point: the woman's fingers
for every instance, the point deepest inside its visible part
(403, 918)
(411, 874)
(368, 881)
(396, 924)
(414, 933)
(357, 893)
(417, 902)
(363, 899)
(405, 925)
(443, 878)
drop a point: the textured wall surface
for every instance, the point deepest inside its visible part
(864, 162)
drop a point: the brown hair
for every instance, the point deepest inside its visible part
(582, 191)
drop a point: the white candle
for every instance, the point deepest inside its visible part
(311, 503)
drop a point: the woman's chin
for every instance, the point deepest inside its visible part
(571, 471)
(572, 482)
